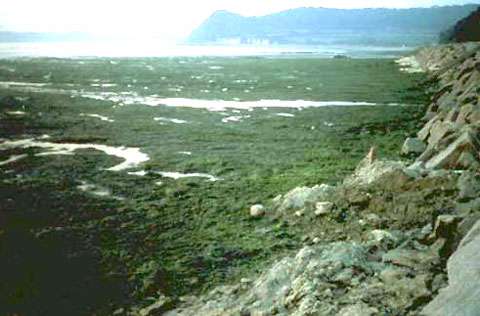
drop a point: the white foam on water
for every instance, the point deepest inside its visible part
(12, 159)
(103, 118)
(132, 98)
(187, 153)
(222, 105)
(285, 114)
(104, 85)
(215, 67)
(132, 156)
(174, 120)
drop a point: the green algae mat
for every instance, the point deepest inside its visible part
(124, 178)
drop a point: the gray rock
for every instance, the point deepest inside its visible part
(439, 131)
(424, 133)
(410, 258)
(299, 197)
(461, 297)
(469, 186)
(360, 309)
(445, 226)
(291, 286)
(366, 174)
(322, 208)
(448, 158)
(413, 146)
(156, 307)
(382, 238)
(468, 207)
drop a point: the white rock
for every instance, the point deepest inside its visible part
(257, 210)
(413, 146)
(277, 199)
(322, 208)
(299, 197)
(299, 213)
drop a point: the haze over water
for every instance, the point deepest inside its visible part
(144, 48)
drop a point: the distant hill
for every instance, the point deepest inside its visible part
(466, 30)
(332, 26)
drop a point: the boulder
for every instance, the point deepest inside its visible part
(425, 131)
(468, 186)
(451, 157)
(410, 258)
(461, 297)
(445, 226)
(299, 197)
(452, 115)
(322, 208)
(413, 146)
(465, 113)
(257, 210)
(366, 174)
(439, 131)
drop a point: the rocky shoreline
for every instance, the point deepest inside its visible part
(392, 239)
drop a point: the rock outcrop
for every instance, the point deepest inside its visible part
(453, 117)
(461, 297)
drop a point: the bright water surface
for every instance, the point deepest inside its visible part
(154, 49)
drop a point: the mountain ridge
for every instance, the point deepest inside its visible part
(307, 25)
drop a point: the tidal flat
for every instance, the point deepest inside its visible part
(64, 245)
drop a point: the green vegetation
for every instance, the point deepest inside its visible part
(187, 235)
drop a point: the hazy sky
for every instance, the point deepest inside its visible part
(165, 18)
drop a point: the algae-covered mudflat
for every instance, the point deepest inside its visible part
(140, 171)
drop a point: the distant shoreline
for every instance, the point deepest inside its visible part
(149, 49)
